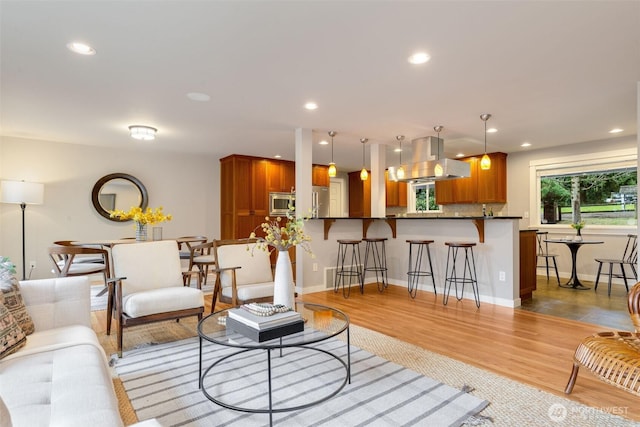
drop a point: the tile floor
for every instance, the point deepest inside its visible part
(584, 305)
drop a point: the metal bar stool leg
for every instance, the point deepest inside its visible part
(415, 270)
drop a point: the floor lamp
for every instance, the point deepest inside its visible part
(22, 193)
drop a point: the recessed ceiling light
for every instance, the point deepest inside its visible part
(419, 58)
(323, 142)
(197, 96)
(311, 106)
(277, 156)
(460, 155)
(616, 130)
(525, 144)
(492, 130)
(143, 133)
(397, 150)
(81, 48)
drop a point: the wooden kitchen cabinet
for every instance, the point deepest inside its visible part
(395, 192)
(320, 175)
(492, 183)
(481, 187)
(528, 261)
(359, 196)
(281, 175)
(244, 196)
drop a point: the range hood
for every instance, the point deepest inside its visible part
(426, 166)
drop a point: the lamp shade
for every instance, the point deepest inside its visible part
(29, 193)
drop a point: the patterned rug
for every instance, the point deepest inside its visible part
(162, 382)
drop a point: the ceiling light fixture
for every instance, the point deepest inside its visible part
(143, 133)
(332, 165)
(525, 144)
(323, 142)
(438, 170)
(364, 174)
(400, 171)
(311, 106)
(485, 162)
(419, 58)
(198, 97)
(81, 48)
(616, 130)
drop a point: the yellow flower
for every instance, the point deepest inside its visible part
(578, 225)
(282, 233)
(148, 216)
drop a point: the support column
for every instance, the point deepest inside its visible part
(304, 159)
(378, 190)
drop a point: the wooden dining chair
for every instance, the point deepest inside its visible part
(629, 257)
(65, 265)
(201, 258)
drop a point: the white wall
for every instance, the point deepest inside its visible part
(186, 185)
(519, 190)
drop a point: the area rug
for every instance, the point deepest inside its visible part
(162, 382)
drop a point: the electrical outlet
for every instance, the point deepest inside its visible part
(32, 265)
(502, 276)
(315, 266)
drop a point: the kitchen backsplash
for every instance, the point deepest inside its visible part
(498, 209)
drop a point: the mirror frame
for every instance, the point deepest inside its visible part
(102, 181)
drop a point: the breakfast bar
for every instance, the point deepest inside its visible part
(497, 254)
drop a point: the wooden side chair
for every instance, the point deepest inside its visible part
(148, 286)
(66, 264)
(614, 357)
(629, 257)
(543, 252)
(244, 273)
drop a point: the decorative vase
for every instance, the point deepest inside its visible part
(284, 288)
(579, 232)
(141, 232)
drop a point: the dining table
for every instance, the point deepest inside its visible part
(574, 245)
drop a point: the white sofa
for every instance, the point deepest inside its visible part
(61, 377)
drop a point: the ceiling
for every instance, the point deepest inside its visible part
(550, 72)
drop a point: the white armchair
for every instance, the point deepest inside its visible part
(244, 273)
(148, 286)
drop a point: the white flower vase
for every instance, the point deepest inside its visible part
(284, 288)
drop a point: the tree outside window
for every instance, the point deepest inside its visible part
(598, 197)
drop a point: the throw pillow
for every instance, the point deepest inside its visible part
(11, 336)
(12, 299)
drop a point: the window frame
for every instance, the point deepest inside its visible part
(411, 199)
(590, 162)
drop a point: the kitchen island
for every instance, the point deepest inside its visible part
(497, 254)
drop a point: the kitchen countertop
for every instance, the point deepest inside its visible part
(478, 221)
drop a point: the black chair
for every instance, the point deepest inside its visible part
(630, 258)
(543, 252)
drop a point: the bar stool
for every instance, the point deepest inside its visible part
(376, 247)
(468, 271)
(350, 270)
(415, 270)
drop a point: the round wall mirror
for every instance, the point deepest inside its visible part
(118, 191)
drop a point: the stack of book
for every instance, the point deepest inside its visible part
(264, 328)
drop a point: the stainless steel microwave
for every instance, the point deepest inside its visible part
(279, 203)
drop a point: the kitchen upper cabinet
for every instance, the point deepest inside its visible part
(280, 175)
(320, 175)
(481, 187)
(492, 183)
(395, 192)
(359, 196)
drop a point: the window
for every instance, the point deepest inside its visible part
(422, 197)
(601, 191)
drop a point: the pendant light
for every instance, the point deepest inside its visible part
(485, 162)
(332, 166)
(437, 170)
(364, 174)
(400, 171)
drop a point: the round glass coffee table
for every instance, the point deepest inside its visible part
(244, 375)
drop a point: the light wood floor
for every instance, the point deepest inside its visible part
(528, 347)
